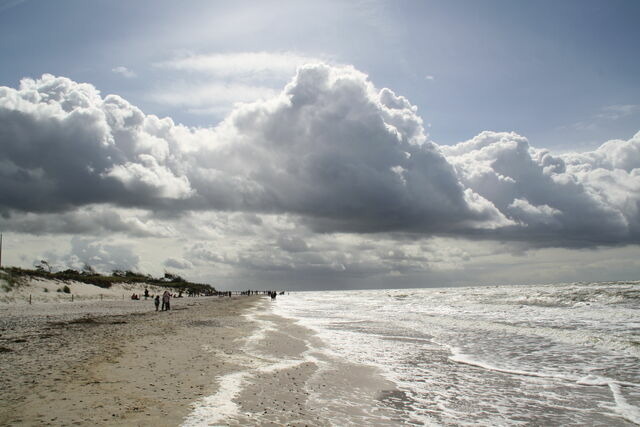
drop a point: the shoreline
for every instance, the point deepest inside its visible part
(220, 360)
(287, 376)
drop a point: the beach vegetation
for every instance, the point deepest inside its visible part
(43, 266)
(170, 277)
(14, 276)
(88, 270)
(10, 280)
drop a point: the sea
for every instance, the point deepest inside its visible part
(561, 354)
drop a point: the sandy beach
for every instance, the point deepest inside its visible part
(215, 360)
(114, 362)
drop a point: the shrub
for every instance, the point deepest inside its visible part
(173, 278)
(11, 280)
(15, 276)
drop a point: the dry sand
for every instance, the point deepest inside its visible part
(209, 360)
(114, 362)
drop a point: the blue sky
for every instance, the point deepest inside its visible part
(544, 69)
(323, 144)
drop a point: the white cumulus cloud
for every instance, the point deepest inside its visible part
(330, 149)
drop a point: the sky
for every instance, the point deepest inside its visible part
(323, 145)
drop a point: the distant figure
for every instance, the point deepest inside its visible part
(166, 301)
(146, 293)
(273, 294)
(156, 301)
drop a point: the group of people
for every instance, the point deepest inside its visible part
(137, 297)
(165, 298)
(166, 301)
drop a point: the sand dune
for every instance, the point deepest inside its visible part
(40, 290)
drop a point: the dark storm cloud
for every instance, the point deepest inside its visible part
(93, 220)
(290, 243)
(331, 149)
(347, 157)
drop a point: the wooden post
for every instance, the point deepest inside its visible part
(71, 297)
(29, 298)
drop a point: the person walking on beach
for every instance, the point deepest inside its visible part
(166, 301)
(156, 301)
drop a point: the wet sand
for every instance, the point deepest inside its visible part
(286, 377)
(209, 360)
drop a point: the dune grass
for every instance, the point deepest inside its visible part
(14, 277)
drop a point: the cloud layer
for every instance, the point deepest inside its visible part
(573, 199)
(330, 149)
(239, 64)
